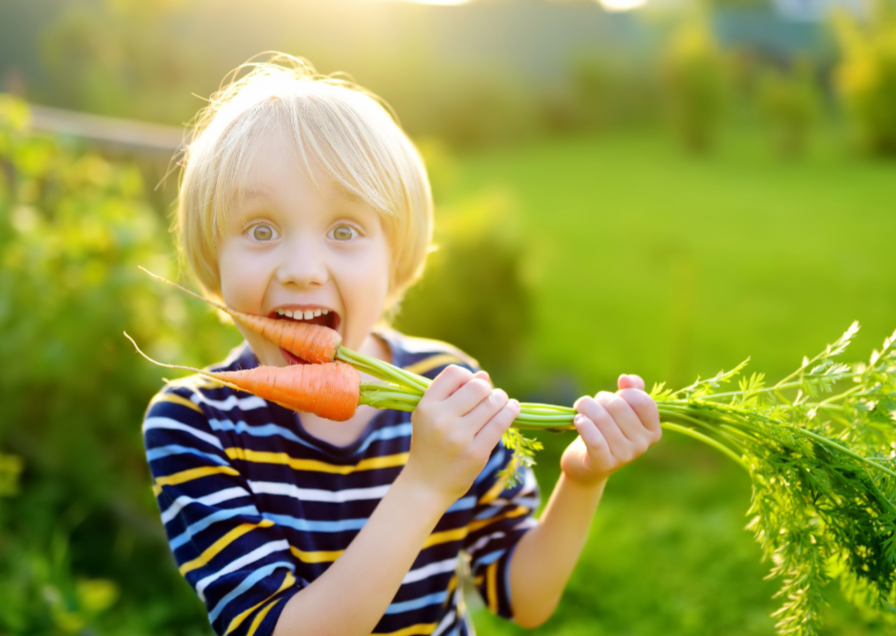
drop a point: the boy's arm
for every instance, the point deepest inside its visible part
(457, 424)
(354, 592)
(613, 431)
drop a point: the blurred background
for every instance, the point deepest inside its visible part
(661, 187)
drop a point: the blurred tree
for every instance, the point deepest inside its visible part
(81, 544)
(611, 93)
(866, 75)
(789, 102)
(106, 58)
(693, 72)
(475, 293)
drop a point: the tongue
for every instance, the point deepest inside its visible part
(291, 359)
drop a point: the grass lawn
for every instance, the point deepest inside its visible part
(647, 261)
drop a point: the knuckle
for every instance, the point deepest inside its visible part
(455, 371)
(480, 387)
(616, 401)
(635, 397)
(497, 398)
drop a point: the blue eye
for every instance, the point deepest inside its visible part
(344, 232)
(262, 232)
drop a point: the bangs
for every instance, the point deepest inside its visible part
(330, 142)
(337, 130)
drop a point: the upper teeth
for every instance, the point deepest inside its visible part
(298, 314)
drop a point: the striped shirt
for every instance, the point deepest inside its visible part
(255, 507)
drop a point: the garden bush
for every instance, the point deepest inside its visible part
(81, 545)
(693, 75)
(866, 77)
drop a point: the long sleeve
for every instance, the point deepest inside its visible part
(238, 562)
(501, 516)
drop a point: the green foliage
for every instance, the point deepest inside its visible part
(475, 293)
(609, 94)
(866, 76)
(824, 484)
(693, 74)
(789, 103)
(80, 542)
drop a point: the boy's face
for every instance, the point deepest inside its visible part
(292, 248)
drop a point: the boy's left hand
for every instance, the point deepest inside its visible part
(614, 429)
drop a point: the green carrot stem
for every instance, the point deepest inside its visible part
(684, 430)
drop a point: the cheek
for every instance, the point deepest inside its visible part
(239, 280)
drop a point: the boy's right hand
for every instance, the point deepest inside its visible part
(457, 424)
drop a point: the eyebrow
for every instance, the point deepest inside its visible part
(255, 193)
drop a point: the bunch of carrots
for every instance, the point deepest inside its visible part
(823, 469)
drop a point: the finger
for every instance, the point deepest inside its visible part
(467, 397)
(490, 434)
(623, 414)
(447, 382)
(646, 409)
(595, 442)
(486, 409)
(596, 412)
(484, 376)
(630, 382)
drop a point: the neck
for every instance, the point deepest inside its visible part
(376, 347)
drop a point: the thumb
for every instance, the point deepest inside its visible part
(630, 382)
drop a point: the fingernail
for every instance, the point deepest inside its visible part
(578, 419)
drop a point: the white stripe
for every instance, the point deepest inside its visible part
(479, 544)
(310, 494)
(244, 404)
(208, 500)
(166, 422)
(530, 502)
(439, 567)
(449, 618)
(526, 523)
(257, 553)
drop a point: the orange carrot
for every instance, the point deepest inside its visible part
(313, 343)
(330, 390)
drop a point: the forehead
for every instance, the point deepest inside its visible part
(273, 171)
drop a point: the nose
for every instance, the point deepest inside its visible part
(301, 266)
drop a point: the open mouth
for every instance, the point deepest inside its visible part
(330, 320)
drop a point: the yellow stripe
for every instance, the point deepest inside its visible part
(174, 399)
(419, 629)
(316, 557)
(516, 512)
(261, 616)
(451, 585)
(222, 543)
(428, 364)
(194, 473)
(445, 536)
(459, 534)
(156, 489)
(372, 463)
(288, 580)
(494, 491)
(195, 381)
(491, 575)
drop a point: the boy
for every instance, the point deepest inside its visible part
(301, 199)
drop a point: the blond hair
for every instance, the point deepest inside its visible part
(347, 132)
